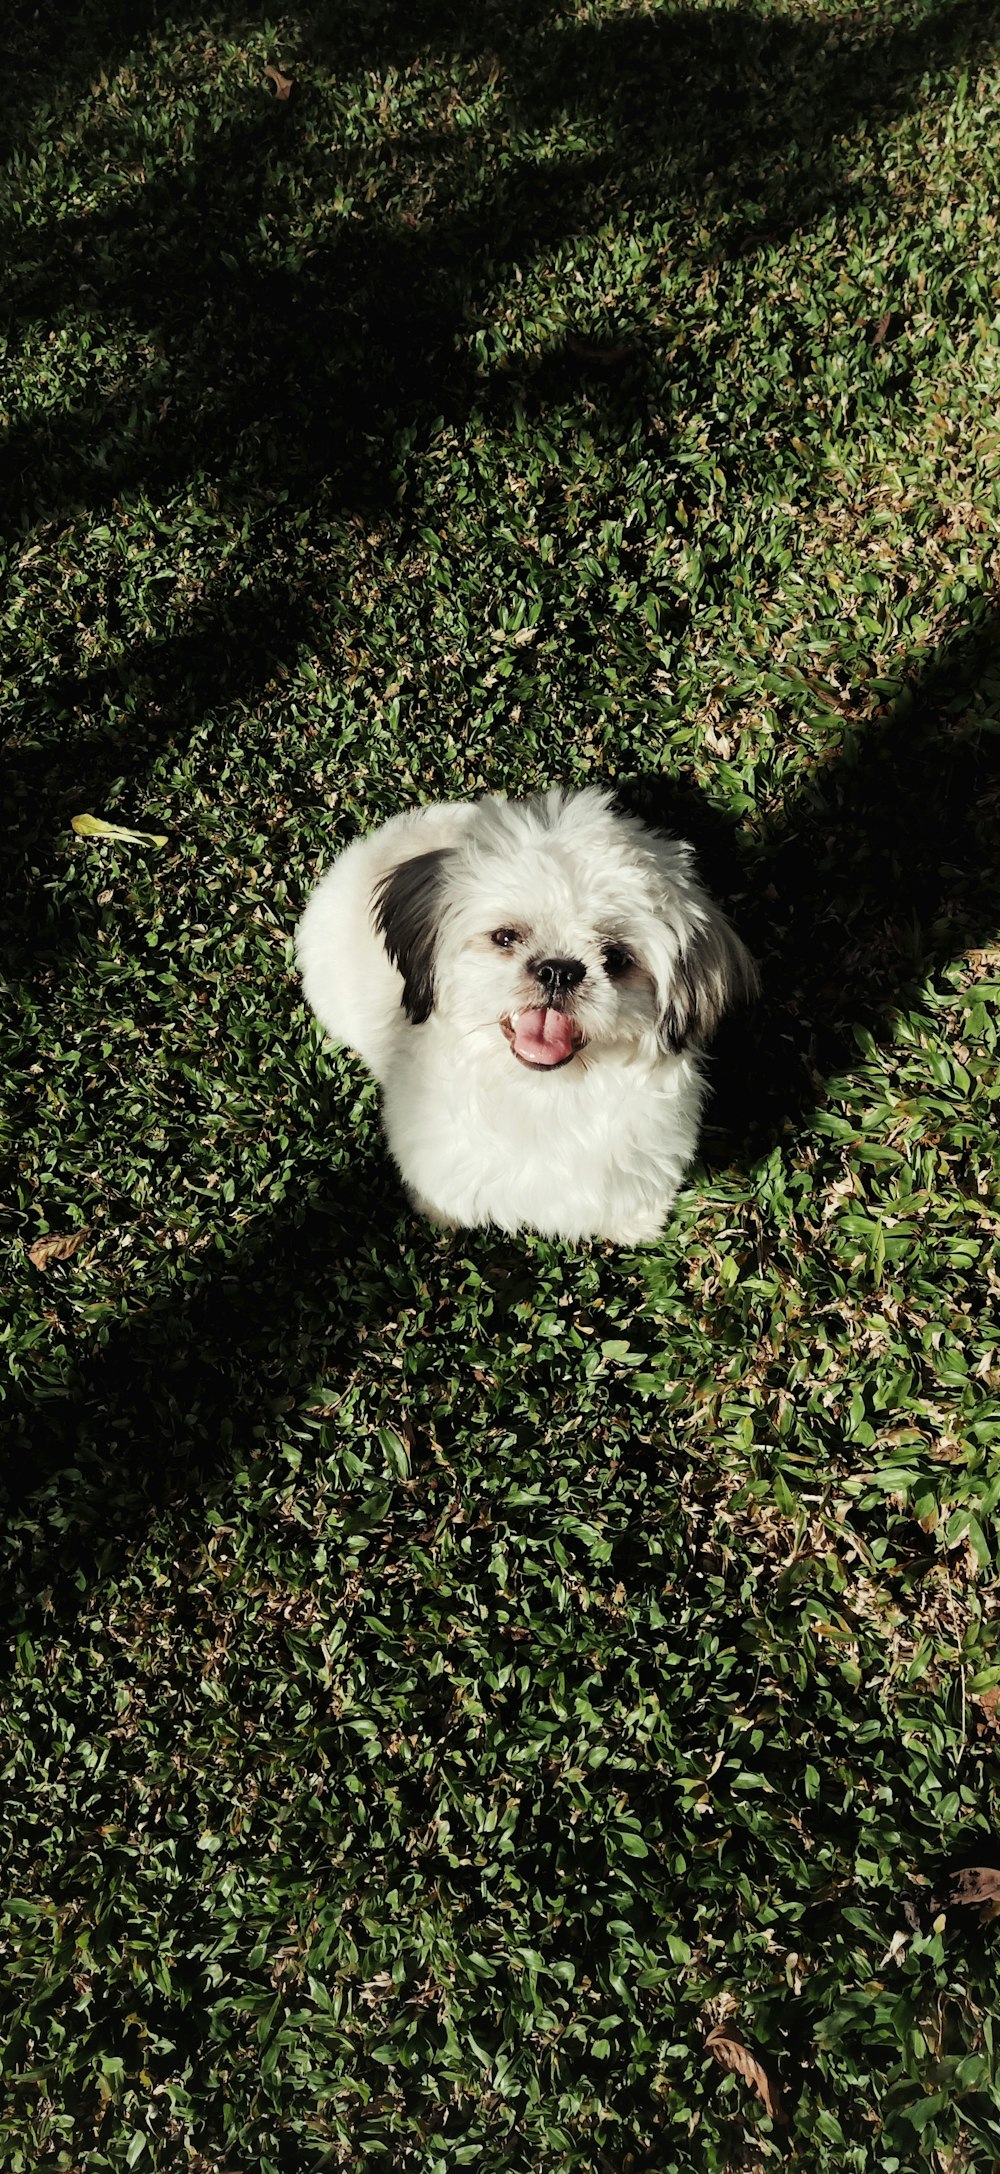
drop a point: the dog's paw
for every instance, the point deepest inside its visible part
(431, 1214)
(643, 1230)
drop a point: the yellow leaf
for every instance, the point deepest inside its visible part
(94, 826)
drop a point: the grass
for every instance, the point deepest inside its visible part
(446, 1676)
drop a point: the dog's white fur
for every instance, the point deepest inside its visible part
(400, 960)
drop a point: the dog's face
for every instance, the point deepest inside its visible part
(564, 927)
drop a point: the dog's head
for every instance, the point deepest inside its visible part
(567, 927)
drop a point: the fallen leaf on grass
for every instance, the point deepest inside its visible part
(733, 2054)
(283, 84)
(988, 1703)
(55, 1247)
(94, 826)
(977, 1884)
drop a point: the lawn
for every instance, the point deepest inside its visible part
(447, 1677)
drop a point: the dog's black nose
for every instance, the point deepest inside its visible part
(557, 976)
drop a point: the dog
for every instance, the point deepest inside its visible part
(531, 982)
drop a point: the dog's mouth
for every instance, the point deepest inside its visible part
(543, 1038)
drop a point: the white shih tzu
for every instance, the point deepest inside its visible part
(530, 981)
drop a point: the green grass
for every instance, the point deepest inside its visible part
(444, 1676)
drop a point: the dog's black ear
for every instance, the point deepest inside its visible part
(714, 972)
(406, 910)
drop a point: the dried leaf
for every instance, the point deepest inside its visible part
(94, 826)
(976, 1884)
(988, 1703)
(55, 1247)
(881, 329)
(283, 84)
(733, 2054)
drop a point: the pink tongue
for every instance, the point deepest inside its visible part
(543, 1036)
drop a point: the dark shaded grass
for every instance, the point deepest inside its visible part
(361, 341)
(443, 1674)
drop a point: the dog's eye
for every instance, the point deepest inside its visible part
(617, 961)
(505, 937)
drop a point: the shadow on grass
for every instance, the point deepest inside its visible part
(159, 1411)
(880, 869)
(116, 717)
(283, 383)
(755, 116)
